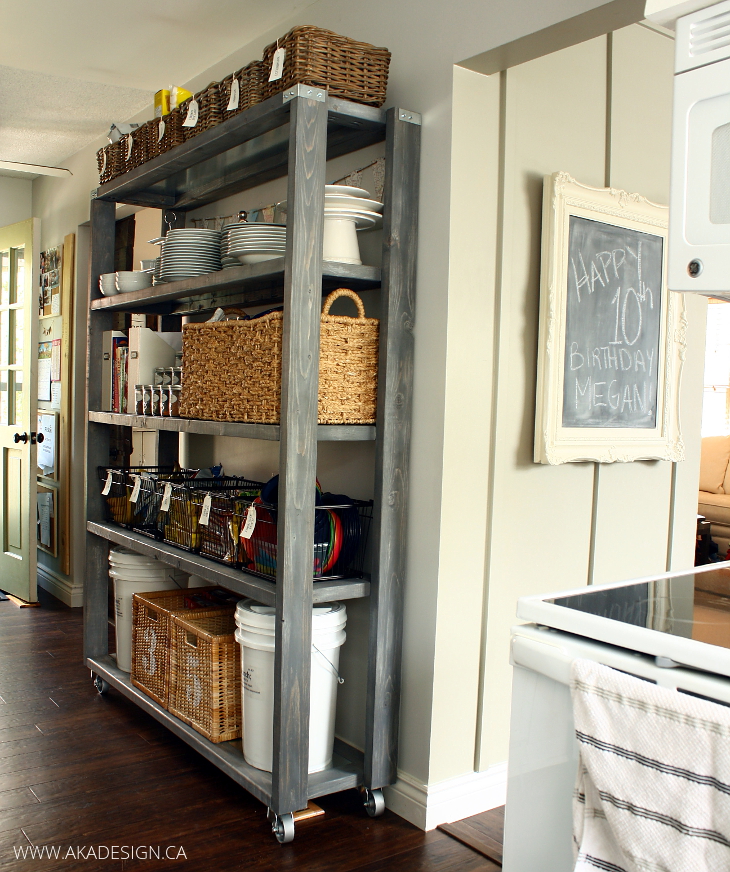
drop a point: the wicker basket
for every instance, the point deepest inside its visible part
(209, 111)
(250, 89)
(110, 162)
(151, 632)
(205, 675)
(233, 368)
(152, 132)
(352, 70)
(134, 148)
(173, 134)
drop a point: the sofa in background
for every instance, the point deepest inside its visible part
(714, 496)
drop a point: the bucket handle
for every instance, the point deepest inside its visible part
(344, 292)
(333, 668)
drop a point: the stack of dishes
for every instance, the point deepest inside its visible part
(252, 243)
(189, 252)
(347, 210)
(108, 284)
(133, 281)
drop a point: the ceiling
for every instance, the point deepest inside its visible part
(71, 68)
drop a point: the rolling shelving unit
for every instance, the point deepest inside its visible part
(294, 134)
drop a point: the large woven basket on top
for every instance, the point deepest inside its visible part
(110, 161)
(205, 675)
(209, 111)
(250, 89)
(233, 368)
(352, 70)
(152, 633)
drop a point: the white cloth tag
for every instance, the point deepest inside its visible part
(192, 117)
(130, 146)
(233, 100)
(107, 484)
(205, 514)
(277, 65)
(103, 162)
(248, 527)
(161, 130)
(135, 489)
(165, 507)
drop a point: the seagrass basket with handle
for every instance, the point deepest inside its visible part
(232, 369)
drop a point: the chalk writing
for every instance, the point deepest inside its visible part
(612, 330)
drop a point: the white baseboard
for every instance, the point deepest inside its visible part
(428, 805)
(62, 588)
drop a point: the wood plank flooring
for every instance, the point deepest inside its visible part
(483, 832)
(78, 770)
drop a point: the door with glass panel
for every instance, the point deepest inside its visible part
(18, 409)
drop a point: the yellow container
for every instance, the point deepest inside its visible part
(178, 96)
(162, 103)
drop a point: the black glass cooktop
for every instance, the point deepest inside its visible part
(694, 606)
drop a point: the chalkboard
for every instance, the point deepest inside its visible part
(612, 326)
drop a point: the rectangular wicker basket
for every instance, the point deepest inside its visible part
(352, 70)
(152, 632)
(233, 368)
(250, 89)
(205, 675)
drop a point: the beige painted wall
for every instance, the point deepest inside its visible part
(548, 528)
(16, 196)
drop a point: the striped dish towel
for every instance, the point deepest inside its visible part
(653, 787)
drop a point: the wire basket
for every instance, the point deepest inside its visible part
(205, 676)
(352, 70)
(250, 81)
(132, 495)
(219, 538)
(179, 523)
(341, 530)
(152, 629)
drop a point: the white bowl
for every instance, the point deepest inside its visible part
(260, 256)
(340, 241)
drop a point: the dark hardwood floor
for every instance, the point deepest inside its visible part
(82, 771)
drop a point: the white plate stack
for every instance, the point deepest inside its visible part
(108, 284)
(347, 210)
(252, 243)
(189, 252)
(134, 280)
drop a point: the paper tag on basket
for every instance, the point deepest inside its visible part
(192, 117)
(248, 527)
(130, 146)
(233, 100)
(205, 514)
(160, 130)
(165, 505)
(135, 489)
(107, 484)
(103, 162)
(277, 65)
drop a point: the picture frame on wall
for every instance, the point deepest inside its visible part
(611, 336)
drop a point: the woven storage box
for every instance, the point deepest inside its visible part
(110, 161)
(205, 676)
(173, 134)
(209, 111)
(134, 148)
(152, 628)
(233, 368)
(352, 70)
(250, 89)
(152, 132)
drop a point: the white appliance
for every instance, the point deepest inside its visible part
(699, 208)
(651, 628)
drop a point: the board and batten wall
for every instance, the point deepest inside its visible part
(600, 110)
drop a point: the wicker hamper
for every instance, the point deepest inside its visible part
(233, 368)
(209, 111)
(205, 675)
(151, 632)
(250, 89)
(352, 70)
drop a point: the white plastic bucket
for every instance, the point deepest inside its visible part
(126, 584)
(255, 635)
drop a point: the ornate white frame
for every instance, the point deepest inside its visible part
(555, 444)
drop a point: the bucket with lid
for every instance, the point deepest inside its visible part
(127, 582)
(255, 634)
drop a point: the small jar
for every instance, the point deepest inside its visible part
(173, 406)
(147, 399)
(155, 393)
(159, 375)
(164, 395)
(139, 399)
(176, 378)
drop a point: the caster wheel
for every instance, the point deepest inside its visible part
(374, 802)
(101, 685)
(283, 828)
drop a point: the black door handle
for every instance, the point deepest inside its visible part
(36, 437)
(20, 437)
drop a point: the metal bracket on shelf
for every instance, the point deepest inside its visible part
(93, 193)
(411, 117)
(308, 91)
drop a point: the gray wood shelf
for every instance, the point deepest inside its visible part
(235, 580)
(252, 284)
(270, 432)
(346, 771)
